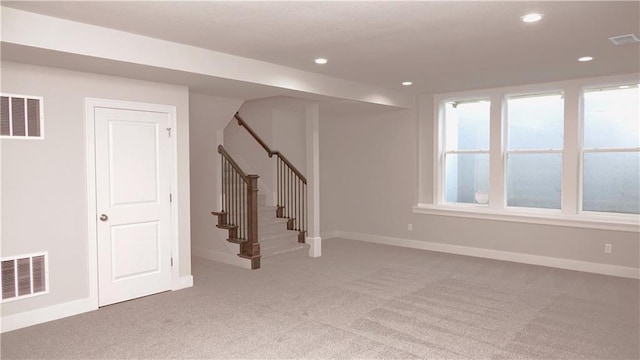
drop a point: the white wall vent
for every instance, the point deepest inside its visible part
(25, 276)
(624, 39)
(21, 117)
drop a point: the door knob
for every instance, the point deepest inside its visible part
(104, 217)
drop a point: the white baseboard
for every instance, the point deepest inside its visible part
(222, 257)
(329, 234)
(568, 264)
(184, 282)
(49, 313)
(55, 312)
(315, 246)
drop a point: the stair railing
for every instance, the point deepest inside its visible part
(291, 187)
(239, 212)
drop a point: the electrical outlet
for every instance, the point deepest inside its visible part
(410, 227)
(608, 248)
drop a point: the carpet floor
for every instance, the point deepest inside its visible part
(358, 300)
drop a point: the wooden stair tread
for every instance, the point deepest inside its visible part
(236, 241)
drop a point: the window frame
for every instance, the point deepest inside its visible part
(431, 177)
(443, 148)
(582, 150)
(504, 123)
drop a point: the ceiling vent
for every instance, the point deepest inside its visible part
(624, 39)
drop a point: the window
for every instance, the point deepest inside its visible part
(21, 116)
(466, 155)
(535, 126)
(611, 150)
(565, 153)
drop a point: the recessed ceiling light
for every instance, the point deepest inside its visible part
(407, 83)
(530, 18)
(624, 39)
(320, 61)
(585, 58)
(624, 86)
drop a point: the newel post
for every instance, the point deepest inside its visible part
(250, 249)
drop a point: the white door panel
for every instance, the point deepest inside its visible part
(134, 157)
(132, 186)
(134, 249)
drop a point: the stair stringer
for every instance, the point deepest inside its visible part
(223, 250)
(231, 257)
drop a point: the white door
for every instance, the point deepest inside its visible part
(133, 207)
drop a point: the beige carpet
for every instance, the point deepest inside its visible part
(358, 300)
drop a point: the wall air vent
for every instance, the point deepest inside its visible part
(624, 39)
(24, 276)
(21, 117)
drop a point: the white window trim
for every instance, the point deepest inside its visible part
(592, 220)
(570, 214)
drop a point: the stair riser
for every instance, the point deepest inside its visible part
(302, 250)
(268, 228)
(266, 213)
(266, 236)
(270, 219)
(284, 236)
(262, 218)
(274, 238)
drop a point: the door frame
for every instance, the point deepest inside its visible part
(92, 212)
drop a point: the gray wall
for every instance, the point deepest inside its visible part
(289, 135)
(44, 195)
(209, 115)
(245, 150)
(281, 124)
(369, 183)
(368, 173)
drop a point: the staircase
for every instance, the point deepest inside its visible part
(261, 230)
(274, 236)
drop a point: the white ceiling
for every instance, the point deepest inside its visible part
(439, 45)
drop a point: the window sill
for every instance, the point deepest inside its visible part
(629, 223)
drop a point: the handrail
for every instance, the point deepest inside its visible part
(268, 149)
(291, 188)
(290, 165)
(253, 133)
(236, 167)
